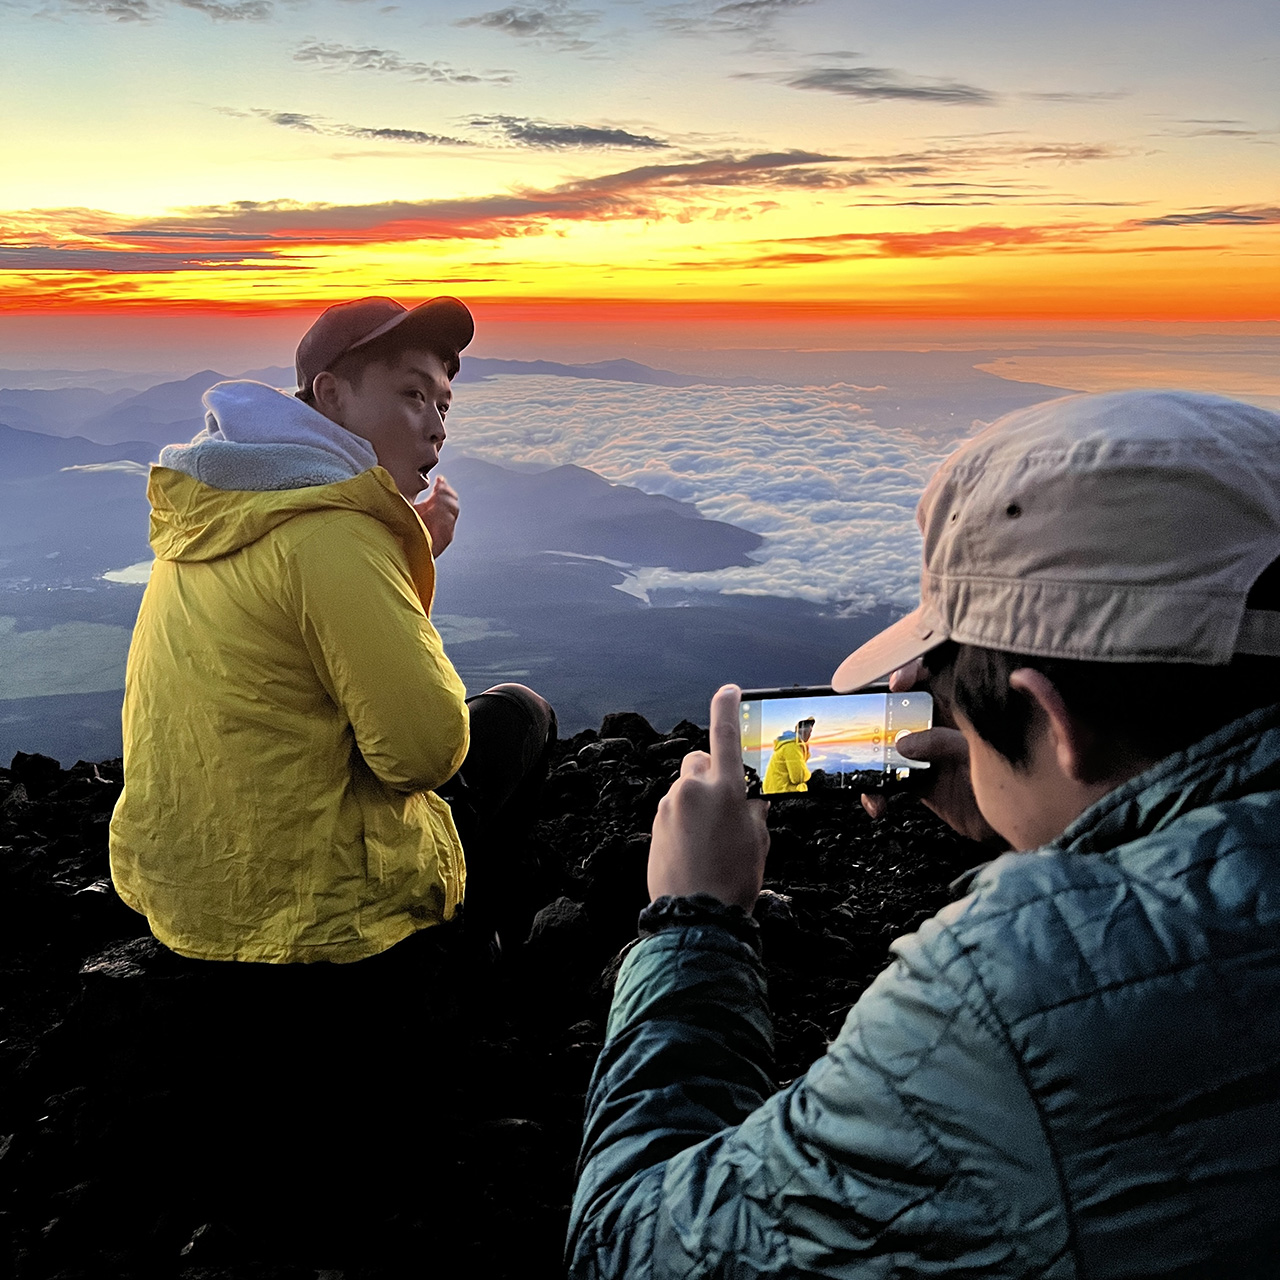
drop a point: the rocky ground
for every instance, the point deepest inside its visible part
(154, 1122)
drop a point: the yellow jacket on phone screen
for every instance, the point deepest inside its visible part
(788, 768)
(288, 709)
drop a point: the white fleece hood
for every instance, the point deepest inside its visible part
(257, 438)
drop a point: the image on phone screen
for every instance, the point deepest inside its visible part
(849, 738)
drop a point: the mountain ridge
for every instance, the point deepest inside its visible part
(168, 411)
(24, 453)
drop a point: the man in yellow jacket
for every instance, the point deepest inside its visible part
(788, 768)
(290, 713)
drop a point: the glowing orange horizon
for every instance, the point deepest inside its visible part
(573, 257)
(1259, 307)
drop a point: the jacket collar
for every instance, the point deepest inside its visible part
(1241, 758)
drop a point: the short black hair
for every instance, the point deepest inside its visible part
(385, 350)
(1143, 710)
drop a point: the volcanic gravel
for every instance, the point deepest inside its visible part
(156, 1121)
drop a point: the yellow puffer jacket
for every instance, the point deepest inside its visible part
(288, 709)
(788, 767)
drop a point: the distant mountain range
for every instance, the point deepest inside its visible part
(34, 453)
(61, 410)
(172, 411)
(71, 508)
(508, 515)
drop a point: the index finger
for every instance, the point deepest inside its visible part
(726, 734)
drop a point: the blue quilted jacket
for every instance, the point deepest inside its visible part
(1072, 1072)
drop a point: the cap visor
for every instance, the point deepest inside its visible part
(908, 638)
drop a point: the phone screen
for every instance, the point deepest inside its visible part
(788, 736)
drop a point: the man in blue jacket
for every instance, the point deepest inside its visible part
(1074, 1070)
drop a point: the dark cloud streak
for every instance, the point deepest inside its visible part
(779, 168)
(317, 125)
(1216, 128)
(150, 10)
(556, 23)
(521, 130)
(528, 132)
(389, 62)
(737, 18)
(415, 136)
(839, 72)
(1234, 216)
(884, 84)
(74, 258)
(1077, 95)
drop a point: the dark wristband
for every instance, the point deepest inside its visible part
(699, 909)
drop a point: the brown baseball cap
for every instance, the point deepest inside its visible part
(1126, 527)
(443, 325)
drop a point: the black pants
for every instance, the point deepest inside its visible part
(494, 795)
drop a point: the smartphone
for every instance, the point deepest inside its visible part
(788, 735)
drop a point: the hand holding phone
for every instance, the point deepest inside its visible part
(946, 790)
(708, 837)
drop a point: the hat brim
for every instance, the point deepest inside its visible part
(908, 638)
(443, 325)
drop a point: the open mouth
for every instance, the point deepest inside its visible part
(424, 471)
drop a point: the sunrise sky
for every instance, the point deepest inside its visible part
(1103, 160)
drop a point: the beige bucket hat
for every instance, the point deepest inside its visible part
(1125, 527)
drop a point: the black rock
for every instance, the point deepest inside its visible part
(606, 749)
(556, 920)
(15, 801)
(39, 774)
(628, 724)
(578, 741)
(616, 875)
(700, 738)
(570, 790)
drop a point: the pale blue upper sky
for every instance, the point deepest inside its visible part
(139, 114)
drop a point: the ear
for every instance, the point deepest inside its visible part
(1073, 743)
(328, 392)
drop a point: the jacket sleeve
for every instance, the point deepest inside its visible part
(797, 769)
(892, 1157)
(375, 651)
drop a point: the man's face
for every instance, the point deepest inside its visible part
(400, 410)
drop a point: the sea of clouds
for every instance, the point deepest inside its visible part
(832, 492)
